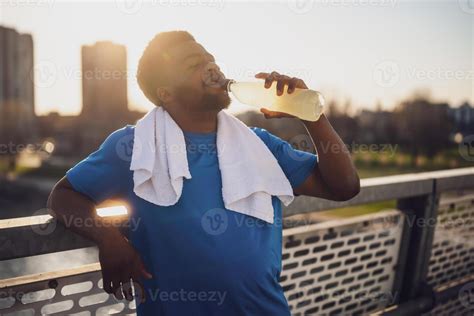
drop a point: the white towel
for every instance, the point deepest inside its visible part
(250, 172)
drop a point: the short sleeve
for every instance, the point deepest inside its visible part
(105, 173)
(296, 164)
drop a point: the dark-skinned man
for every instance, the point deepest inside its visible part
(175, 264)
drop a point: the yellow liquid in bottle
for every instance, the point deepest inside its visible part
(303, 103)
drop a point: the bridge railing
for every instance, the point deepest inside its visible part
(416, 258)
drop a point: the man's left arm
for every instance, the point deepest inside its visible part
(334, 177)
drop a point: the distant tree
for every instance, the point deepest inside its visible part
(332, 109)
(340, 118)
(423, 127)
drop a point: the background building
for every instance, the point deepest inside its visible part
(104, 93)
(104, 103)
(17, 99)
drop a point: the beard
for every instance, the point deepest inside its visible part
(215, 101)
(206, 101)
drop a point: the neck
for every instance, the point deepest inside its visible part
(194, 121)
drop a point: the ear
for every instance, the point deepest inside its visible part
(163, 94)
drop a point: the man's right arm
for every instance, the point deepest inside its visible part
(120, 262)
(72, 208)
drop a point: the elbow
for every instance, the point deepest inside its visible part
(348, 191)
(53, 197)
(50, 202)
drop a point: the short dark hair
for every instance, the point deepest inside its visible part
(149, 75)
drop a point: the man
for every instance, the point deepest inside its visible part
(179, 257)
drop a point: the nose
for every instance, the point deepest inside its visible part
(212, 75)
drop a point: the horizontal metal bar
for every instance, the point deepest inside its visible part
(455, 179)
(37, 235)
(390, 188)
(41, 277)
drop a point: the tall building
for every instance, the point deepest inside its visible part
(104, 80)
(104, 93)
(17, 114)
(104, 103)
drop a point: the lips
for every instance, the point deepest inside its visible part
(213, 77)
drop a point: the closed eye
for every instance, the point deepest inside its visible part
(202, 61)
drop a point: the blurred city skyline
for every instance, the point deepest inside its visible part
(367, 51)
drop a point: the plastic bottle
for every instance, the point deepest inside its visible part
(303, 103)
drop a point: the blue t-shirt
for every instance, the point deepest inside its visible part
(205, 259)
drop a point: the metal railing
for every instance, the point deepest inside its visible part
(415, 259)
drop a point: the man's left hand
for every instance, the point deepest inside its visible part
(282, 80)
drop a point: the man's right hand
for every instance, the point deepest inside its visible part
(121, 266)
(120, 262)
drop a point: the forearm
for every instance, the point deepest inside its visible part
(334, 160)
(78, 214)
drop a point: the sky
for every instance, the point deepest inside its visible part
(365, 51)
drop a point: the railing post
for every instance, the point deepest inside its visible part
(421, 214)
